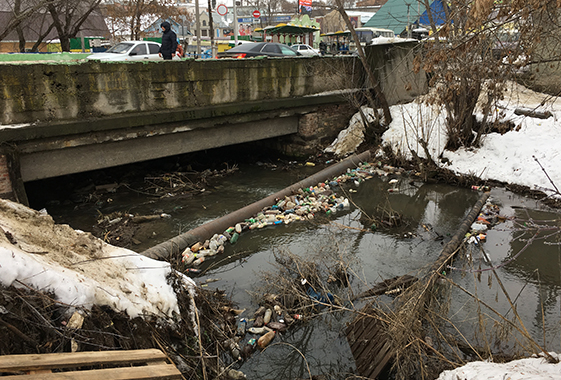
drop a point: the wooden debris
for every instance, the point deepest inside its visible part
(155, 366)
(389, 285)
(533, 113)
(369, 344)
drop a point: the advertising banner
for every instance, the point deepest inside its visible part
(305, 7)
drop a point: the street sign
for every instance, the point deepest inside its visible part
(222, 9)
(256, 13)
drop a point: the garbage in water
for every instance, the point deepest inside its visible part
(266, 339)
(305, 204)
(320, 299)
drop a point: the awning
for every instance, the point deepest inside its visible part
(288, 29)
(339, 33)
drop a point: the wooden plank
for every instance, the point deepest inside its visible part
(12, 363)
(370, 364)
(149, 372)
(365, 342)
(373, 364)
(381, 361)
(367, 354)
(369, 345)
(363, 335)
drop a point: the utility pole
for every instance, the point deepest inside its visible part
(211, 31)
(198, 28)
(235, 25)
(408, 22)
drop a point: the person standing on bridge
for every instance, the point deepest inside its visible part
(169, 41)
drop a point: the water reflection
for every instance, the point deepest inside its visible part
(316, 346)
(543, 263)
(433, 213)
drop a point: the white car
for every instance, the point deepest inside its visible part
(130, 51)
(305, 49)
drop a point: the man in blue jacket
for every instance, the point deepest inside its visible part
(169, 41)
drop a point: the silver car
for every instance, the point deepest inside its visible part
(305, 49)
(130, 51)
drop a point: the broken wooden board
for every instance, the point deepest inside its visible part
(369, 344)
(388, 285)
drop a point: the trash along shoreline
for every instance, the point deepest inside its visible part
(201, 322)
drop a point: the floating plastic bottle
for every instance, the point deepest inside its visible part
(234, 238)
(234, 349)
(287, 318)
(259, 330)
(266, 339)
(267, 317)
(278, 326)
(199, 261)
(240, 330)
(260, 311)
(259, 321)
(236, 375)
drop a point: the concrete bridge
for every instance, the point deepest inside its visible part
(66, 118)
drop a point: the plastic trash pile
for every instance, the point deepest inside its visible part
(268, 321)
(304, 205)
(487, 218)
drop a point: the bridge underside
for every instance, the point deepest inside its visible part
(53, 163)
(67, 156)
(65, 119)
(121, 141)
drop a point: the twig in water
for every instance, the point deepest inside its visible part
(541, 306)
(524, 333)
(547, 175)
(199, 337)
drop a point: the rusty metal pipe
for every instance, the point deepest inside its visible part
(178, 244)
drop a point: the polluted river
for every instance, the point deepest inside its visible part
(381, 223)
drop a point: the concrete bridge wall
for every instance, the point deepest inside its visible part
(52, 92)
(65, 118)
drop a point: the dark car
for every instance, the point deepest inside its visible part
(259, 49)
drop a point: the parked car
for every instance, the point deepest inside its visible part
(259, 49)
(305, 49)
(130, 51)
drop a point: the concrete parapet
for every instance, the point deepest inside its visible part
(67, 118)
(55, 92)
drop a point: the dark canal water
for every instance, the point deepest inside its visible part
(430, 210)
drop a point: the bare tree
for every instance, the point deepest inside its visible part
(480, 46)
(40, 16)
(22, 10)
(372, 80)
(130, 14)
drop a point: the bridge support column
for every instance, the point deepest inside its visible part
(11, 184)
(316, 130)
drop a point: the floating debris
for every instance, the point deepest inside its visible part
(304, 205)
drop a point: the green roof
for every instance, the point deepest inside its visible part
(290, 29)
(394, 15)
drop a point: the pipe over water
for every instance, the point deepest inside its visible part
(178, 244)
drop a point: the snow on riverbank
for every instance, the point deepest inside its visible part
(524, 369)
(507, 157)
(79, 269)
